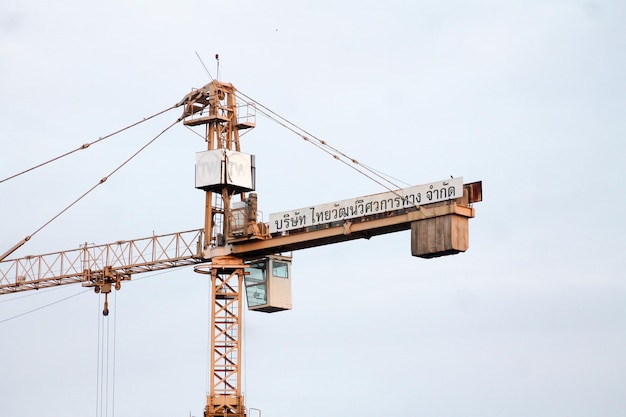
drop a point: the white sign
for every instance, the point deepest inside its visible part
(367, 206)
(220, 167)
(239, 169)
(209, 168)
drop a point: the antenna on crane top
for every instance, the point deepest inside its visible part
(217, 58)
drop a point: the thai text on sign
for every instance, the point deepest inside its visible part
(369, 205)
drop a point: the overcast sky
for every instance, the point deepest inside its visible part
(527, 96)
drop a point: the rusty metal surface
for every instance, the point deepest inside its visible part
(475, 191)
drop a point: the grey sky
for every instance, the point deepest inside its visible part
(527, 96)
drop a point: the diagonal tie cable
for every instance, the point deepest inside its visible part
(87, 145)
(102, 181)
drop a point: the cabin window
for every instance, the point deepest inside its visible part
(257, 295)
(280, 269)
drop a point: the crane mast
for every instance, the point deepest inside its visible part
(215, 106)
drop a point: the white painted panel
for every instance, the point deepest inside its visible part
(209, 168)
(239, 169)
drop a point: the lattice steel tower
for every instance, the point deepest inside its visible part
(222, 172)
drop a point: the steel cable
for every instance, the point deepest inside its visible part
(42, 307)
(102, 181)
(321, 147)
(87, 145)
(321, 144)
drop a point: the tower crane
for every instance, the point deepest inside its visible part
(240, 253)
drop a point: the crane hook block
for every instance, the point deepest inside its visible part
(105, 312)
